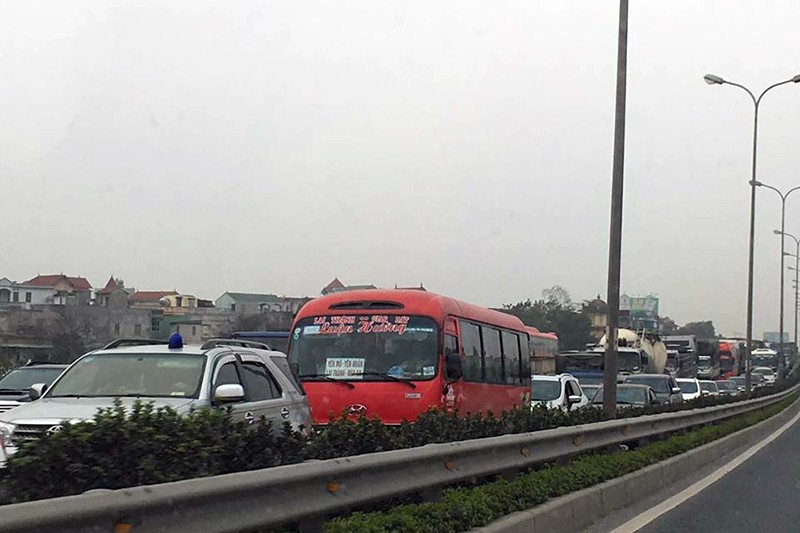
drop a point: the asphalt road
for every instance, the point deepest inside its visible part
(761, 495)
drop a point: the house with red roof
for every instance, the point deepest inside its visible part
(66, 290)
(114, 294)
(150, 299)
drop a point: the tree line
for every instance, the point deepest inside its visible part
(555, 312)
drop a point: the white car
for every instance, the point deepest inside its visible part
(708, 387)
(559, 392)
(690, 388)
(769, 375)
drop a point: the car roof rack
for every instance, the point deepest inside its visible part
(213, 343)
(121, 343)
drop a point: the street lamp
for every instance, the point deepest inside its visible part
(711, 79)
(783, 255)
(796, 269)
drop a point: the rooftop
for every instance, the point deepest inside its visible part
(51, 280)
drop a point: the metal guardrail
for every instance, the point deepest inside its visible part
(305, 493)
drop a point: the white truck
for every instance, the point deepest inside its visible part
(639, 352)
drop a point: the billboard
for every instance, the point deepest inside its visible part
(639, 306)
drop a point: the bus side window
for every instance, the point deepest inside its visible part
(526, 358)
(473, 360)
(512, 366)
(492, 356)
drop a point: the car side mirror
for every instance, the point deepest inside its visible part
(704, 393)
(676, 390)
(36, 390)
(452, 362)
(229, 393)
(574, 399)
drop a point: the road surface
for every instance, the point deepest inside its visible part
(761, 495)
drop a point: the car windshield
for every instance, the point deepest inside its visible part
(657, 383)
(22, 378)
(545, 389)
(138, 375)
(625, 395)
(726, 385)
(763, 371)
(688, 387)
(365, 347)
(709, 386)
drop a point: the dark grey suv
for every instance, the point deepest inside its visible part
(16, 384)
(666, 388)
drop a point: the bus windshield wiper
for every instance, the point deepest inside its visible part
(326, 377)
(389, 376)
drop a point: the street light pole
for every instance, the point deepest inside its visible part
(796, 281)
(782, 233)
(711, 79)
(615, 233)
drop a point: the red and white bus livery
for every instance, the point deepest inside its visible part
(394, 354)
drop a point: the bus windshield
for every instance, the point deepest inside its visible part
(365, 347)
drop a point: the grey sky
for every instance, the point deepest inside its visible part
(270, 146)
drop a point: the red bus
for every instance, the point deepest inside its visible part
(394, 354)
(544, 349)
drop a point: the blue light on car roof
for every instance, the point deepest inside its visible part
(175, 341)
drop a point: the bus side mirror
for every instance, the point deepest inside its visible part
(453, 369)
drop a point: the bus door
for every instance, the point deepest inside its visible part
(453, 364)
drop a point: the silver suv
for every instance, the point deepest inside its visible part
(244, 376)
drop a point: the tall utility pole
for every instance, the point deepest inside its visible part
(711, 79)
(796, 269)
(782, 233)
(615, 237)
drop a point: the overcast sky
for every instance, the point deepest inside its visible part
(269, 146)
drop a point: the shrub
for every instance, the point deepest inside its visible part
(145, 446)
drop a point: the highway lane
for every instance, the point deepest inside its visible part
(760, 495)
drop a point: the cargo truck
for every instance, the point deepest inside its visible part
(708, 359)
(685, 365)
(729, 358)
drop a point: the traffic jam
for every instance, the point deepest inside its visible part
(389, 355)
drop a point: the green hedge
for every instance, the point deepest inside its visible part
(462, 509)
(145, 446)
(120, 449)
